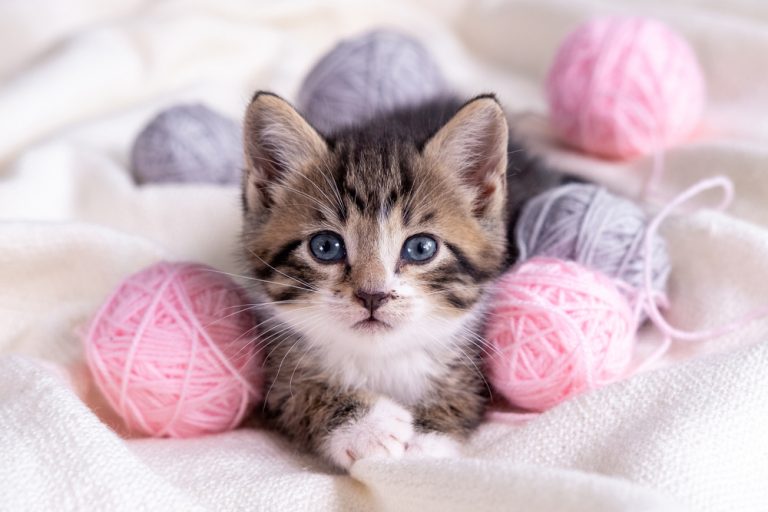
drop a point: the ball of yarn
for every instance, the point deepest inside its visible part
(188, 143)
(173, 353)
(375, 72)
(556, 329)
(587, 224)
(621, 87)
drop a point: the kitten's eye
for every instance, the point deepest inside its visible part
(419, 248)
(327, 247)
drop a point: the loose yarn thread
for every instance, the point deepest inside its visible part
(585, 223)
(717, 182)
(619, 87)
(541, 359)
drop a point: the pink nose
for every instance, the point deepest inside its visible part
(372, 300)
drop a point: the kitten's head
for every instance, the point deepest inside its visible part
(374, 243)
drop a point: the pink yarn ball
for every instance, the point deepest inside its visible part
(173, 353)
(621, 87)
(556, 329)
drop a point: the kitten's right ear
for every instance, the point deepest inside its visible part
(473, 144)
(278, 142)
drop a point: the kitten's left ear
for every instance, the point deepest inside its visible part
(474, 145)
(278, 143)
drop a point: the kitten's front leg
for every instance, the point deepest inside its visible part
(342, 426)
(437, 433)
(383, 429)
(447, 417)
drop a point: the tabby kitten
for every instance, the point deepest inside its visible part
(372, 249)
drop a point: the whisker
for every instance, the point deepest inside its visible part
(482, 343)
(299, 339)
(280, 367)
(324, 208)
(257, 337)
(463, 287)
(307, 350)
(254, 305)
(283, 184)
(242, 308)
(463, 353)
(250, 278)
(284, 274)
(316, 186)
(329, 179)
(290, 326)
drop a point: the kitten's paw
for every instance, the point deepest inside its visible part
(383, 432)
(432, 444)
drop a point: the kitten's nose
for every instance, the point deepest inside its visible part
(372, 300)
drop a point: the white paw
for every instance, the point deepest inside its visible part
(383, 432)
(433, 444)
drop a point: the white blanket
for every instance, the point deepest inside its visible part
(79, 78)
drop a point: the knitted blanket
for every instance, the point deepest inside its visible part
(78, 80)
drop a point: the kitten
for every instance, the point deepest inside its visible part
(372, 249)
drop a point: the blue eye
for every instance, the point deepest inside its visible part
(419, 249)
(327, 247)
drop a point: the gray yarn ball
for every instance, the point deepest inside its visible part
(587, 224)
(375, 72)
(188, 143)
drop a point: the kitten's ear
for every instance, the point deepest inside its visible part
(474, 145)
(278, 141)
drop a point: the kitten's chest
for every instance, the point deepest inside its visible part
(407, 378)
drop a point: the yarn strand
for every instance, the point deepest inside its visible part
(652, 309)
(549, 357)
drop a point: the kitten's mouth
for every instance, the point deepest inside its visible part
(372, 324)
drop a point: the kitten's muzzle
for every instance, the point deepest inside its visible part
(372, 300)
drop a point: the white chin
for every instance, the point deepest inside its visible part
(330, 331)
(372, 327)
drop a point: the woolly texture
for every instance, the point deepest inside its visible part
(375, 72)
(172, 352)
(188, 143)
(556, 329)
(621, 87)
(587, 224)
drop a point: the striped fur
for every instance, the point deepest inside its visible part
(441, 170)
